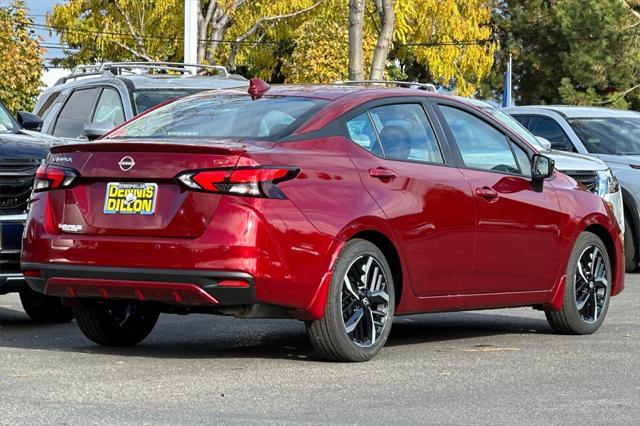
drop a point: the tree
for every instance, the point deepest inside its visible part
(151, 30)
(583, 52)
(356, 29)
(118, 30)
(20, 58)
(294, 40)
(385, 37)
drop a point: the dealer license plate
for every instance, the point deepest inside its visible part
(130, 198)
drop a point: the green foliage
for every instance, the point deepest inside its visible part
(20, 58)
(580, 52)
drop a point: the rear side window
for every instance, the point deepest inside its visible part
(481, 145)
(74, 116)
(549, 129)
(109, 108)
(224, 116)
(397, 132)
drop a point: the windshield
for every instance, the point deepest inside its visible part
(223, 116)
(608, 135)
(148, 98)
(514, 125)
(7, 123)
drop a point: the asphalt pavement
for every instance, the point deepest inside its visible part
(490, 367)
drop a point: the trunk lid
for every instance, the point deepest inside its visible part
(142, 174)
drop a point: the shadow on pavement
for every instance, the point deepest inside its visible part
(204, 336)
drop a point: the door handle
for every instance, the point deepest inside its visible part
(487, 193)
(382, 173)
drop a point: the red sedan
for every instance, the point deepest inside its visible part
(339, 206)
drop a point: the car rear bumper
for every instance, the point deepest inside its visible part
(185, 288)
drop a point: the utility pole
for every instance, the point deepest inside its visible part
(191, 31)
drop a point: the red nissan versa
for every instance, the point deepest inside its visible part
(339, 206)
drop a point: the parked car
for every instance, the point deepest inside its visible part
(94, 99)
(590, 171)
(609, 134)
(22, 150)
(341, 206)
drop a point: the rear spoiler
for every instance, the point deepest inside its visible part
(187, 146)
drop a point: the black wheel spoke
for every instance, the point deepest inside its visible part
(591, 284)
(365, 301)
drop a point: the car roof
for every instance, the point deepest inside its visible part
(569, 111)
(156, 81)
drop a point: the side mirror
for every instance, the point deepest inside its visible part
(29, 121)
(544, 142)
(97, 130)
(542, 167)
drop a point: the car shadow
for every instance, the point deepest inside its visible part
(209, 337)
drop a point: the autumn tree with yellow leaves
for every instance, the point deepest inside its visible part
(20, 58)
(441, 41)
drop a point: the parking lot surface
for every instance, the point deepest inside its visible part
(498, 367)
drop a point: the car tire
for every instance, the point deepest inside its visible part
(587, 289)
(631, 254)
(115, 323)
(360, 305)
(44, 309)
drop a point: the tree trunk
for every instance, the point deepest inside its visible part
(384, 39)
(356, 56)
(218, 31)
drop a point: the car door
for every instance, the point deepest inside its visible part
(518, 243)
(427, 200)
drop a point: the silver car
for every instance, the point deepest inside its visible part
(608, 134)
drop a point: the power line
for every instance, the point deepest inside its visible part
(223, 41)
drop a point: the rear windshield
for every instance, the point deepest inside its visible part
(223, 116)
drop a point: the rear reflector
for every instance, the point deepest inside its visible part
(233, 284)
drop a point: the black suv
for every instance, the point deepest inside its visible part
(22, 149)
(94, 99)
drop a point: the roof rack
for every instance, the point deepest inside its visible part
(119, 68)
(411, 84)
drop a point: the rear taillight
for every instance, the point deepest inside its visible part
(50, 177)
(249, 181)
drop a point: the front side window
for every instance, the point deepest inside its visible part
(223, 116)
(109, 108)
(549, 129)
(396, 132)
(481, 145)
(74, 115)
(609, 135)
(7, 123)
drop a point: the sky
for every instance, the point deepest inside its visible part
(37, 10)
